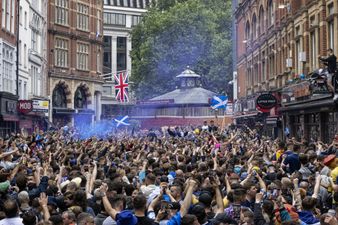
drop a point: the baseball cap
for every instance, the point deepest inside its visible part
(205, 198)
(126, 217)
(328, 159)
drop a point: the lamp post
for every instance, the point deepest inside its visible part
(17, 46)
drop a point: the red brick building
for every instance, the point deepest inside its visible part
(75, 60)
(278, 44)
(8, 67)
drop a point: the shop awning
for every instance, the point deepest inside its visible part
(61, 111)
(308, 105)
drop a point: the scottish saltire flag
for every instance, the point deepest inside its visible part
(121, 87)
(122, 121)
(219, 102)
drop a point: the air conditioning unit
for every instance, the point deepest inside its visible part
(289, 62)
(302, 56)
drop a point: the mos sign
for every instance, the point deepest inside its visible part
(266, 101)
(25, 106)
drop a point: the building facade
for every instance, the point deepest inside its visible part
(8, 67)
(119, 17)
(33, 104)
(75, 51)
(278, 45)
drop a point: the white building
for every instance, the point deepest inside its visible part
(32, 59)
(119, 17)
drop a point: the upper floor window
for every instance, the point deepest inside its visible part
(82, 17)
(254, 27)
(261, 21)
(136, 20)
(61, 52)
(271, 13)
(114, 19)
(82, 52)
(61, 12)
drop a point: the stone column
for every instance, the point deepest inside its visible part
(98, 105)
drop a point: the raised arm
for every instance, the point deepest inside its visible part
(107, 206)
(188, 197)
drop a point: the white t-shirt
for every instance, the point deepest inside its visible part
(109, 221)
(11, 221)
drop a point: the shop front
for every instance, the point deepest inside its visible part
(33, 114)
(309, 115)
(8, 114)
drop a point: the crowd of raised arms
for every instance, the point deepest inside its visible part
(175, 175)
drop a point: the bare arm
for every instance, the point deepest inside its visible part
(187, 199)
(107, 206)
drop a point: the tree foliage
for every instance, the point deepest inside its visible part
(177, 34)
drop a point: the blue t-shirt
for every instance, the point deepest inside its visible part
(292, 160)
(175, 220)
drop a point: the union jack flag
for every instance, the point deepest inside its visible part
(121, 87)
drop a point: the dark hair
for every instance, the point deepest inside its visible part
(330, 50)
(56, 219)
(29, 218)
(21, 181)
(140, 202)
(309, 203)
(188, 219)
(10, 208)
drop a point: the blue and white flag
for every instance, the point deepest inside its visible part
(219, 102)
(122, 121)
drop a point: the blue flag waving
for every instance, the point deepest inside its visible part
(122, 121)
(219, 102)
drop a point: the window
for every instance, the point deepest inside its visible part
(3, 13)
(25, 90)
(25, 55)
(254, 27)
(36, 80)
(298, 63)
(261, 21)
(34, 40)
(59, 97)
(25, 20)
(20, 90)
(247, 31)
(271, 13)
(114, 19)
(82, 52)
(136, 20)
(331, 34)
(61, 52)
(313, 50)
(330, 9)
(61, 12)
(7, 69)
(12, 16)
(107, 62)
(121, 55)
(20, 52)
(8, 13)
(82, 17)
(20, 15)
(98, 60)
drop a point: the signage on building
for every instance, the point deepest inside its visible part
(266, 101)
(156, 102)
(229, 109)
(40, 106)
(25, 106)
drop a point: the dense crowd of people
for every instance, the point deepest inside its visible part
(200, 175)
